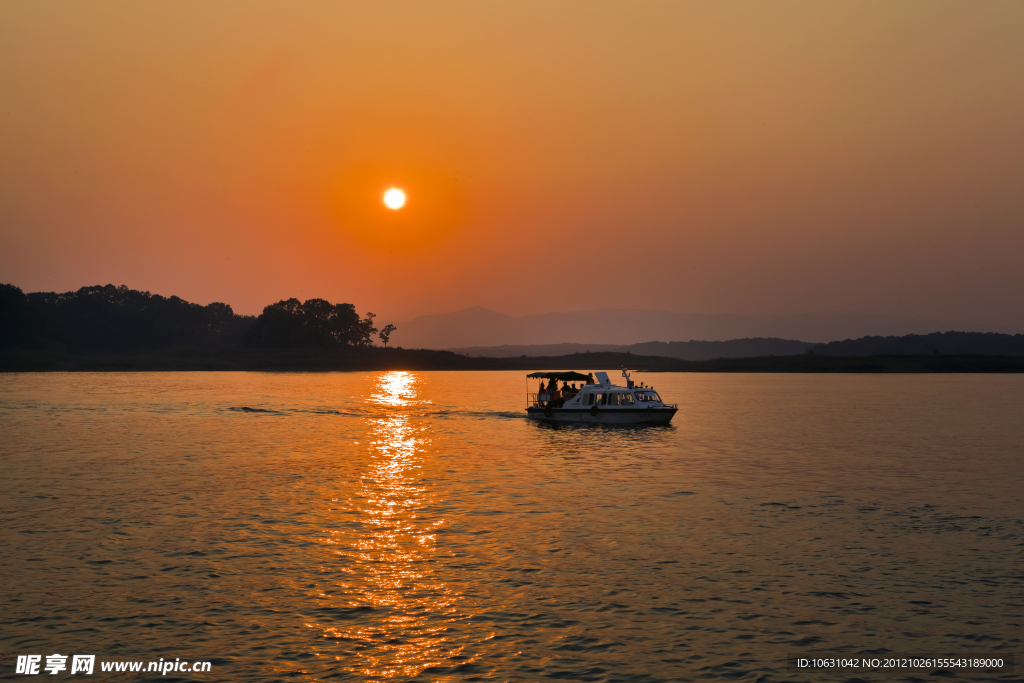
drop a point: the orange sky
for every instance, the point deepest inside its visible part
(717, 157)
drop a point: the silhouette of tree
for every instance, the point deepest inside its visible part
(385, 334)
(366, 330)
(314, 323)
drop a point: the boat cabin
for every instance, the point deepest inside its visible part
(581, 391)
(549, 393)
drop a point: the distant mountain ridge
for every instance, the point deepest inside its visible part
(691, 350)
(481, 327)
(936, 343)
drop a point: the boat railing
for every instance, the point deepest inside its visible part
(667, 405)
(532, 399)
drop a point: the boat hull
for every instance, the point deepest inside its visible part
(618, 416)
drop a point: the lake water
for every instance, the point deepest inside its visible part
(415, 526)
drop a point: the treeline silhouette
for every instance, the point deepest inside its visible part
(733, 348)
(109, 319)
(936, 344)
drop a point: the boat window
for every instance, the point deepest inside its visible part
(613, 399)
(626, 399)
(590, 399)
(648, 396)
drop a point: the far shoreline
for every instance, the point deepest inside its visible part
(220, 359)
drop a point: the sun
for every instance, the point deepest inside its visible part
(394, 199)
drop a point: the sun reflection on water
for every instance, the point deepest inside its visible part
(391, 548)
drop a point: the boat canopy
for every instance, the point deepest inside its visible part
(567, 376)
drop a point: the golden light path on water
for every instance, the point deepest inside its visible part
(391, 557)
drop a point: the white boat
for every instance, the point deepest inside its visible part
(595, 401)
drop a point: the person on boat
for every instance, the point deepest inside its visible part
(590, 378)
(540, 393)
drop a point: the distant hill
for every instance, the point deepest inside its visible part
(691, 350)
(537, 350)
(478, 327)
(937, 344)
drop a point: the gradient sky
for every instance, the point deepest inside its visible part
(716, 157)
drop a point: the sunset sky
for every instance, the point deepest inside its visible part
(715, 157)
